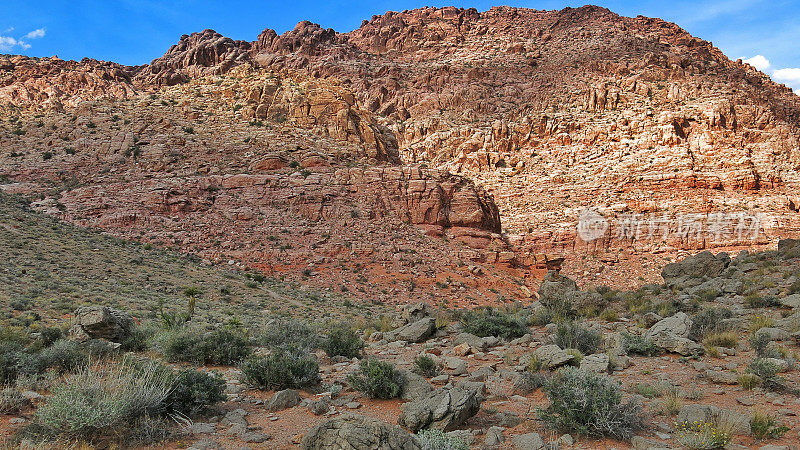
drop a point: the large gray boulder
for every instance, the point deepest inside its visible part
(528, 441)
(416, 385)
(672, 333)
(287, 398)
(442, 409)
(704, 264)
(552, 356)
(101, 322)
(418, 331)
(352, 431)
(557, 290)
(680, 325)
(414, 312)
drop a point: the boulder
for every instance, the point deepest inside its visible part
(528, 441)
(676, 344)
(552, 356)
(704, 264)
(285, 399)
(557, 289)
(595, 363)
(416, 386)
(680, 325)
(775, 334)
(101, 322)
(442, 409)
(418, 331)
(352, 431)
(788, 244)
(791, 301)
(415, 312)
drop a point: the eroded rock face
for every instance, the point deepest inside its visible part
(354, 431)
(442, 409)
(101, 322)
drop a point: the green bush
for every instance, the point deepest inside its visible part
(219, 347)
(709, 321)
(283, 369)
(527, 382)
(572, 335)
(762, 368)
(589, 404)
(765, 426)
(760, 342)
(95, 405)
(638, 345)
(425, 366)
(194, 392)
(63, 356)
(286, 333)
(489, 322)
(438, 440)
(343, 341)
(12, 401)
(377, 379)
(10, 354)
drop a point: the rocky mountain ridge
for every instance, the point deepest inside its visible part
(552, 112)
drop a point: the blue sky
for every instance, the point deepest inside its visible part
(136, 31)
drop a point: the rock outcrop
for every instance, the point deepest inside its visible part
(101, 322)
(354, 431)
(442, 409)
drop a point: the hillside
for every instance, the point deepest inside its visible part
(49, 268)
(551, 112)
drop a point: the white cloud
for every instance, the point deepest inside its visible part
(9, 43)
(35, 34)
(788, 76)
(759, 62)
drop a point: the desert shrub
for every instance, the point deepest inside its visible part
(63, 356)
(527, 382)
(671, 402)
(138, 339)
(759, 322)
(10, 354)
(12, 401)
(707, 295)
(648, 390)
(489, 322)
(438, 440)
(194, 392)
(95, 404)
(763, 368)
(748, 381)
(283, 369)
(377, 379)
(281, 332)
(759, 342)
(219, 347)
(343, 341)
(701, 435)
(571, 335)
(556, 311)
(765, 426)
(727, 339)
(638, 345)
(589, 404)
(709, 321)
(755, 300)
(425, 366)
